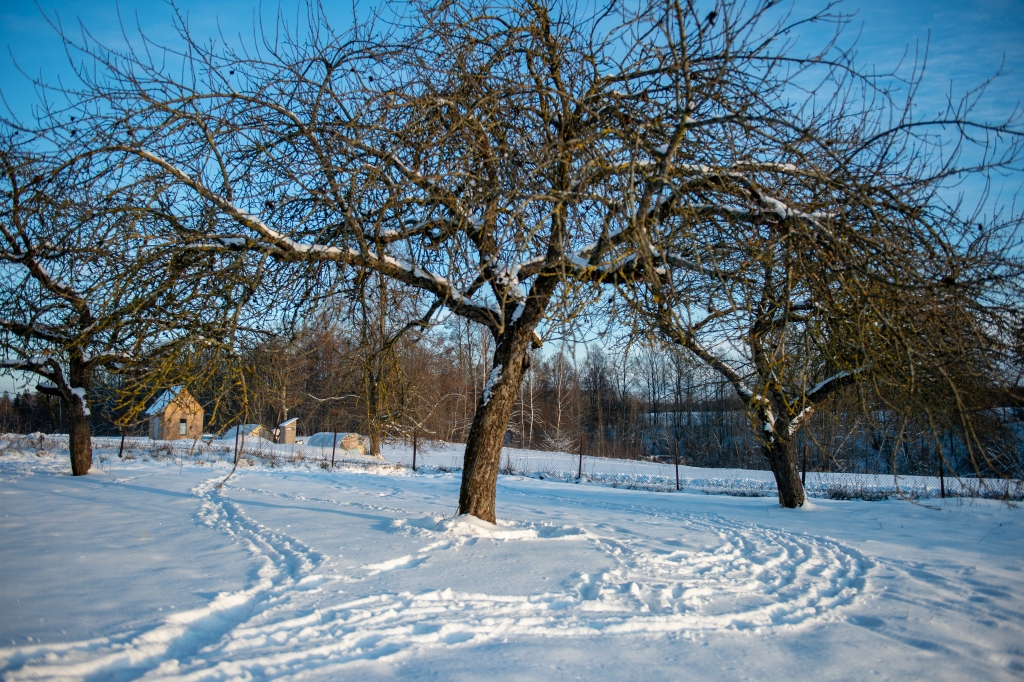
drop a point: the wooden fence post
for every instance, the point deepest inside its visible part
(677, 464)
(579, 476)
(942, 476)
(414, 449)
(334, 448)
(803, 476)
(120, 453)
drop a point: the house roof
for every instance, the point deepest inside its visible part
(244, 429)
(325, 439)
(163, 400)
(290, 421)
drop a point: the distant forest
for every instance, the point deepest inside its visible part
(640, 402)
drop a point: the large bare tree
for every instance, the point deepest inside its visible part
(506, 159)
(797, 242)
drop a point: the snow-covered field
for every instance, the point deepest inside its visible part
(648, 475)
(146, 569)
(563, 466)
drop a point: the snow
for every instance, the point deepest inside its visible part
(327, 441)
(79, 393)
(835, 377)
(638, 474)
(45, 274)
(492, 380)
(247, 430)
(363, 573)
(798, 421)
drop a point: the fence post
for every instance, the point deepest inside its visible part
(414, 449)
(677, 464)
(334, 448)
(942, 477)
(238, 430)
(803, 476)
(579, 476)
(120, 453)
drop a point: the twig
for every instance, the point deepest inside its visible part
(990, 530)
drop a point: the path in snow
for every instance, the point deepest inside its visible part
(753, 578)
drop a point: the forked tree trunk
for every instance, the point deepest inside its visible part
(487, 434)
(782, 459)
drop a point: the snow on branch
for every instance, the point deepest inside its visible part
(49, 368)
(685, 337)
(823, 388)
(800, 419)
(37, 363)
(284, 246)
(492, 380)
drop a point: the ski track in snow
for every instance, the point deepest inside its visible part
(286, 622)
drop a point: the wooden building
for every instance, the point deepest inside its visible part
(175, 415)
(286, 431)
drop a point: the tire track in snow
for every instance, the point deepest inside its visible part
(286, 565)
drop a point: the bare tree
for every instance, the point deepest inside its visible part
(504, 159)
(527, 408)
(86, 284)
(791, 243)
(561, 384)
(388, 319)
(453, 156)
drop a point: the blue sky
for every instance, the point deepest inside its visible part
(967, 41)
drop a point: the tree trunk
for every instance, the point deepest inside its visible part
(80, 442)
(782, 460)
(375, 444)
(487, 434)
(79, 433)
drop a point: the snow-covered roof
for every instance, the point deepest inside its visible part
(325, 439)
(163, 400)
(244, 429)
(47, 388)
(289, 421)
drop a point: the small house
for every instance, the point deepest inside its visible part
(175, 415)
(286, 431)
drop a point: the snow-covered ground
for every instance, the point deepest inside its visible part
(146, 569)
(563, 466)
(650, 475)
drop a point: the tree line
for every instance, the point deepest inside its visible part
(642, 403)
